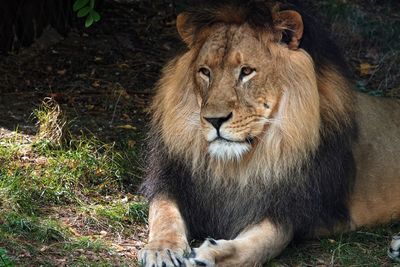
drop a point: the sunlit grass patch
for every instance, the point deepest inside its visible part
(121, 212)
(50, 121)
(42, 175)
(58, 175)
(49, 171)
(118, 216)
(87, 243)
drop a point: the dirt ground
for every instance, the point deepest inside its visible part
(102, 78)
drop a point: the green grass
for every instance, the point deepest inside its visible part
(87, 243)
(365, 247)
(45, 240)
(123, 212)
(4, 259)
(49, 182)
(58, 175)
(32, 228)
(51, 171)
(28, 235)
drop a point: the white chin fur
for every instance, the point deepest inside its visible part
(224, 150)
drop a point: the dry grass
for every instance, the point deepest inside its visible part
(50, 121)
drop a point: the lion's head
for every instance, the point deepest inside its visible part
(250, 95)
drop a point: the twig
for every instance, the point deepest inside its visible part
(115, 109)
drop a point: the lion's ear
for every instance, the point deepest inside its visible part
(184, 28)
(291, 24)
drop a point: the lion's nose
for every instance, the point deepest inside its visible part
(218, 121)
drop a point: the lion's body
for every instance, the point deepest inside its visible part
(255, 141)
(375, 198)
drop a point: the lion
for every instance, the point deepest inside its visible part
(257, 138)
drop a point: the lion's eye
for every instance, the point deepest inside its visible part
(246, 72)
(205, 71)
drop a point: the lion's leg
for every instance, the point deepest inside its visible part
(167, 238)
(252, 247)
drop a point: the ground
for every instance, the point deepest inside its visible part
(72, 126)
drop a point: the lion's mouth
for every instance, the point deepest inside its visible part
(226, 149)
(248, 140)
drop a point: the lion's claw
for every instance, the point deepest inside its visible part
(162, 258)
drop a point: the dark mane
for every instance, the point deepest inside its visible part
(259, 15)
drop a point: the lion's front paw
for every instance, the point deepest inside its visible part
(211, 252)
(157, 257)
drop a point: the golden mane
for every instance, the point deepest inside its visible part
(316, 103)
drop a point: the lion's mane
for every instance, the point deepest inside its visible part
(300, 176)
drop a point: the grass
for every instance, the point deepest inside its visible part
(54, 180)
(32, 228)
(87, 243)
(123, 212)
(58, 173)
(4, 259)
(365, 247)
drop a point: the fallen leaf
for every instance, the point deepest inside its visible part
(131, 143)
(96, 84)
(366, 68)
(118, 247)
(122, 92)
(74, 231)
(89, 106)
(61, 72)
(126, 126)
(123, 66)
(126, 117)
